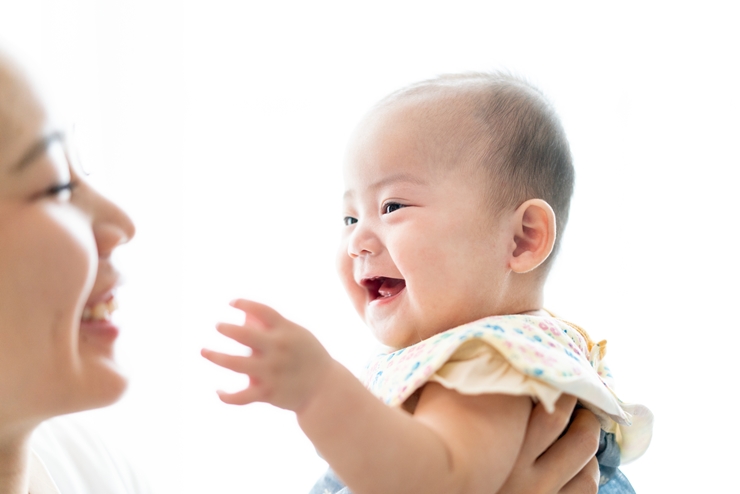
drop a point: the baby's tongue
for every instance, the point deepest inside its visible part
(390, 287)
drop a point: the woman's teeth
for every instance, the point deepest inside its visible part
(99, 312)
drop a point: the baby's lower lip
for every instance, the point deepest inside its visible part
(383, 300)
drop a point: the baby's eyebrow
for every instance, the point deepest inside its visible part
(391, 179)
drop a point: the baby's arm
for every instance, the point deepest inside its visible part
(452, 443)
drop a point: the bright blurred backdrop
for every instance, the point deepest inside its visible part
(220, 127)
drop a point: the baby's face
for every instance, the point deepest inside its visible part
(421, 250)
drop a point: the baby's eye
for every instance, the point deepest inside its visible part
(391, 207)
(349, 220)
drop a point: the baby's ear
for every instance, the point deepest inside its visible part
(534, 235)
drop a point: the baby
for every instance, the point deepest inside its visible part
(457, 193)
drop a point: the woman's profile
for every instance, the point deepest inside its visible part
(57, 285)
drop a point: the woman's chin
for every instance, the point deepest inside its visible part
(103, 382)
(98, 387)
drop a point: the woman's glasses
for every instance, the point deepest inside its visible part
(71, 141)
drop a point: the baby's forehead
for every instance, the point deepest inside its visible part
(432, 109)
(426, 136)
(444, 124)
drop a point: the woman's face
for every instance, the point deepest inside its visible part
(57, 282)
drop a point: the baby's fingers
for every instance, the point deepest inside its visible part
(236, 363)
(254, 339)
(263, 315)
(243, 397)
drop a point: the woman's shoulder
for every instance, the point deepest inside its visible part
(80, 461)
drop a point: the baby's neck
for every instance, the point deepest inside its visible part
(536, 312)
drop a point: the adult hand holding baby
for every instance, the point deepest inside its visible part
(546, 463)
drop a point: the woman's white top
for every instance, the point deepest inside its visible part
(76, 461)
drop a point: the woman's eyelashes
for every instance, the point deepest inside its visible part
(61, 191)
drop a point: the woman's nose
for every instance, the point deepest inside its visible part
(363, 241)
(112, 226)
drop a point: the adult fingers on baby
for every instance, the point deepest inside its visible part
(260, 315)
(586, 482)
(569, 454)
(256, 340)
(236, 363)
(544, 427)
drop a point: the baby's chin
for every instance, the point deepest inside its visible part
(399, 336)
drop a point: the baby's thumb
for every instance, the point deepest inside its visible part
(257, 314)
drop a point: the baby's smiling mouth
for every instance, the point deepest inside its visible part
(381, 287)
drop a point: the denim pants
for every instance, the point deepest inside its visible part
(612, 481)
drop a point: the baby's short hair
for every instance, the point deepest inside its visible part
(524, 144)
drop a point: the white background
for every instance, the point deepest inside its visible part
(221, 125)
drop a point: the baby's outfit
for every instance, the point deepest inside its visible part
(542, 357)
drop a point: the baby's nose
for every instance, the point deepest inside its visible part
(363, 241)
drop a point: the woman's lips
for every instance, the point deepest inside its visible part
(96, 320)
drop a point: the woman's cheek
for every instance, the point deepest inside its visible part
(48, 259)
(74, 263)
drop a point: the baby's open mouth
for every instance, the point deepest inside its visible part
(100, 311)
(381, 287)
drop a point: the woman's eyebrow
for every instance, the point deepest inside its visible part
(36, 150)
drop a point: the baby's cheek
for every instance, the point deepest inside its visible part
(357, 295)
(340, 261)
(345, 271)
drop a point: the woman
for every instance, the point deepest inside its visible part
(57, 286)
(57, 291)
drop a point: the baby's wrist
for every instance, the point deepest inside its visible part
(330, 393)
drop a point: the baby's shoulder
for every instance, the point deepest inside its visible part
(544, 347)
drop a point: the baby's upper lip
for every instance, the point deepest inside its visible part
(371, 279)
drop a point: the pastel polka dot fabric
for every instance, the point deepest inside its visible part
(545, 348)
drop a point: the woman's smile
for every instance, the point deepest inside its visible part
(96, 322)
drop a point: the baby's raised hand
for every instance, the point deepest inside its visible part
(287, 363)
